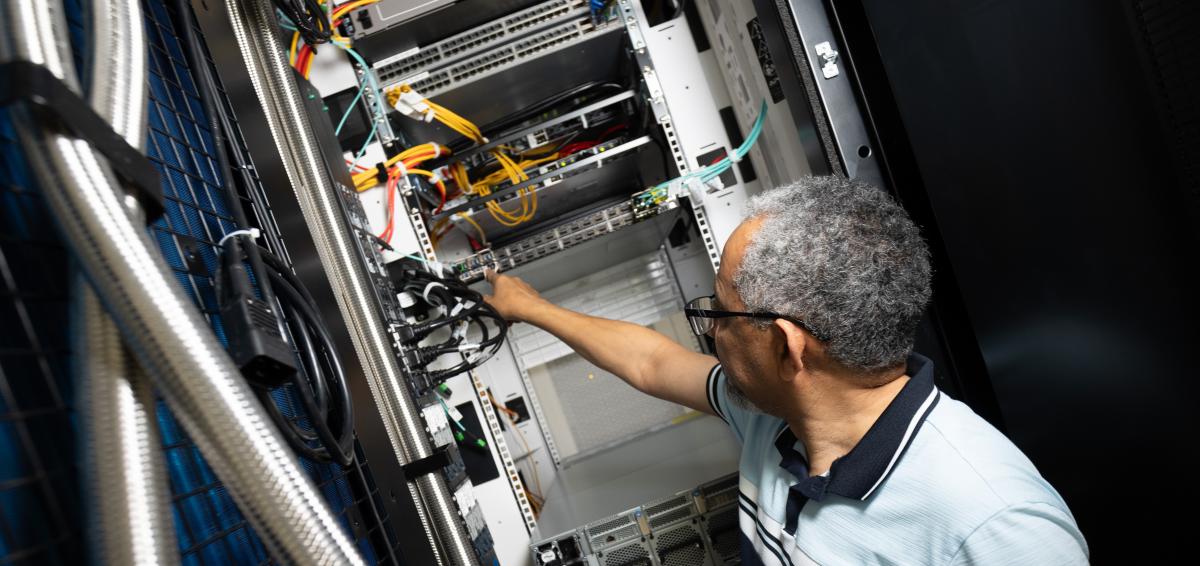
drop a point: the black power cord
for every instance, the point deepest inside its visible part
(459, 307)
(321, 386)
(309, 18)
(253, 322)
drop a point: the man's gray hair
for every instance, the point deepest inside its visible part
(845, 258)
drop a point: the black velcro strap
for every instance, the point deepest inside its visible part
(51, 100)
(427, 465)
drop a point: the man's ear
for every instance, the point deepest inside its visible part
(793, 341)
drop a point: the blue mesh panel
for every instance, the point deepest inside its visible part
(40, 502)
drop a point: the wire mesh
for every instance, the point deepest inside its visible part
(40, 502)
(40, 521)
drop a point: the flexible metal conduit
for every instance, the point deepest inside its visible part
(162, 326)
(257, 33)
(129, 513)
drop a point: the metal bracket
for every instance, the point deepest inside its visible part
(53, 101)
(510, 468)
(427, 465)
(826, 53)
(629, 13)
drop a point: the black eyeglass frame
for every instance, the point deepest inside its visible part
(691, 311)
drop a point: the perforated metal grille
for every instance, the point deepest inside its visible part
(671, 517)
(609, 524)
(657, 508)
(632, 555)
(680, 547)
(723, 533)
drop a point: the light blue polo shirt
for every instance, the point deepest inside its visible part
(930, 483)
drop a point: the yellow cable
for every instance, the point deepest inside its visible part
(347, 7)
(292, 50)
(478, 228)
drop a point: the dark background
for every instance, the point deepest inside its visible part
(1051, 150)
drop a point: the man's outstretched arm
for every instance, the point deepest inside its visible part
(649, 361)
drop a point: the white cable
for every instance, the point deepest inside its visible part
(252, 232)
(429, 288)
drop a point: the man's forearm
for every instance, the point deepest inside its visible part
(621, 348)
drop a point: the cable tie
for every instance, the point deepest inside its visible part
(734, 157)
(252, 232)
(429, 288)
(437, 150)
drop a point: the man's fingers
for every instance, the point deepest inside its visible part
(489, 274)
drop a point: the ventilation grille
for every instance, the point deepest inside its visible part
(671, 517)
(680, 547)
(632, 555)
(723, 533)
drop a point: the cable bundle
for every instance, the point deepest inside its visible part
(714, 170)
(410, 103)
(458, 309)
(309, 18)
(321, 386)
(301, 57)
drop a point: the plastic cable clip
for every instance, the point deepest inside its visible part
(252, 232)
(695, 189)
(412, 104)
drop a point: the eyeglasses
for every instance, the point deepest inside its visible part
(702, 316)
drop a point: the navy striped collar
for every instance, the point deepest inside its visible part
(858, 473)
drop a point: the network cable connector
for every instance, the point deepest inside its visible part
(472, 268)
(410, 103)
(656, 200)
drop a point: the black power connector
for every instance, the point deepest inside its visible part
(256, 343)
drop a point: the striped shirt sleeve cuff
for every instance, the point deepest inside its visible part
(712, 389)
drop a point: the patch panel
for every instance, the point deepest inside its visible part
(432, 82)
(475, 40)
(594, 225)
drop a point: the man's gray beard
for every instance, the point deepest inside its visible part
(739, 397)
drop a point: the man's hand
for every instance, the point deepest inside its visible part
(514, 299)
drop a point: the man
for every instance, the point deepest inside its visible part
(850, 454)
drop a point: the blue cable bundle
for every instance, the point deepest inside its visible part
(708, 173)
